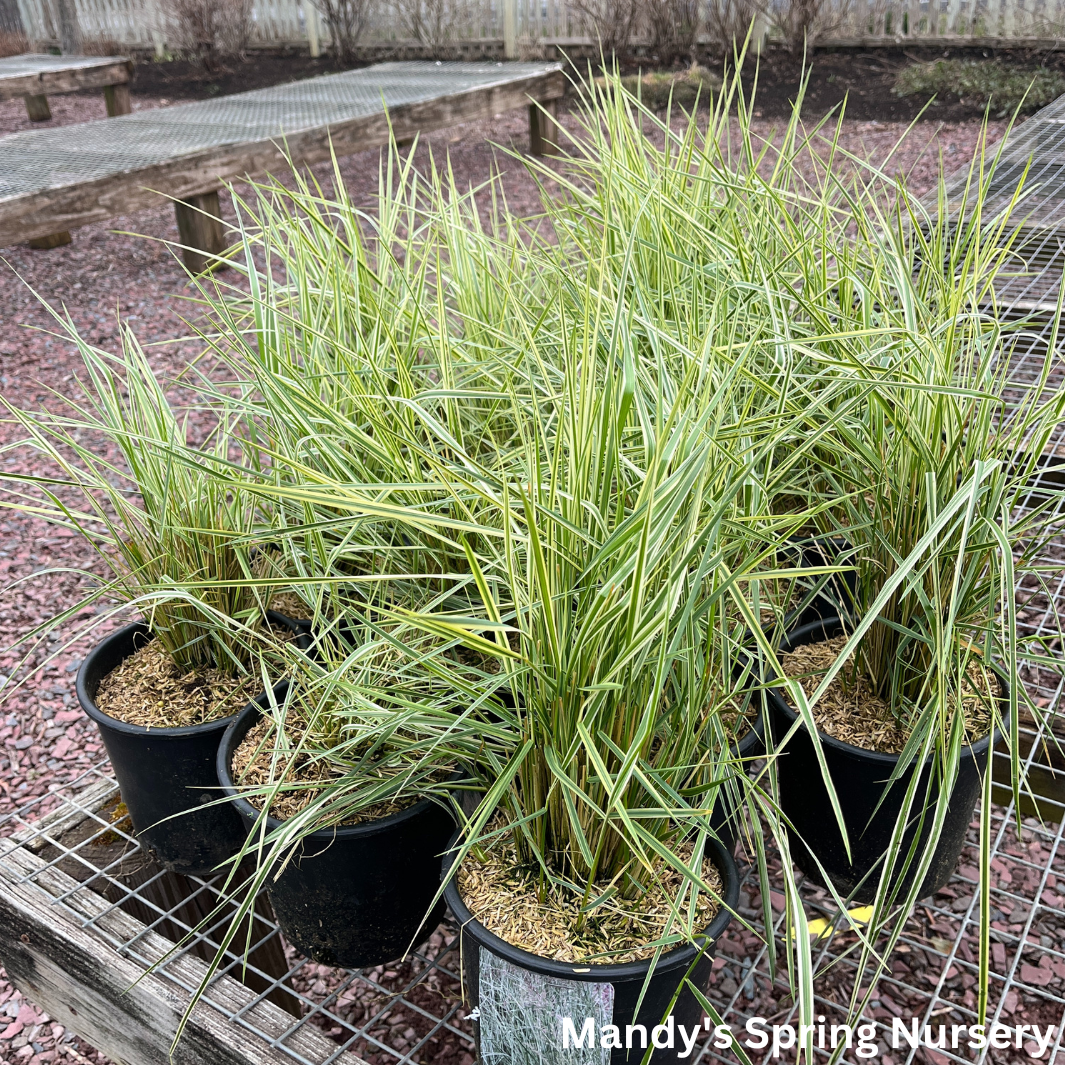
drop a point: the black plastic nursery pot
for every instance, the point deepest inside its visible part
(339, 633)
(725, 820)
(859, 777)
(357, 895)
(300, 625)
(822, 551)
(164, 772)
(520, 1000)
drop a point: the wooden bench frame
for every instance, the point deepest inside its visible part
(193, 181)
(74, 973)
(112, 75)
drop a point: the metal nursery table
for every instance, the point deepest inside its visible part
(55, 180)
(35, 77)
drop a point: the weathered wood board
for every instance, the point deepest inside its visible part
(49, 75)
(60, 179)
(57, 944)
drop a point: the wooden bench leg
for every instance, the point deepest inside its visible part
(543, 128)
(39, 111)
(53, 240)
(37, 108)
(201, 231)
(117, 99)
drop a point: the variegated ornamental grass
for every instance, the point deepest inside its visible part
(175, 527)
(543, 470)
(590, 540)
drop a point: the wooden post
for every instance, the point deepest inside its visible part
(758, 33)
(543, 128)
(37, 108)
(39, 111)
(310, 17)
(116, 97)
(200, 228)
(510, 29)
(70, 39)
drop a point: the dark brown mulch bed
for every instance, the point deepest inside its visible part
(179, 79)
(866, 79)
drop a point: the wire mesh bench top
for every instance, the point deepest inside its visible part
(1032, 158)
(63, 177)
(33, 74)
(84, 914)
(1036, 146)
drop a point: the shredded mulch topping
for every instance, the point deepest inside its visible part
(849, 710)
(148, 689)
(251, 769)
(738, 719)
(291, 605)
(506, 900)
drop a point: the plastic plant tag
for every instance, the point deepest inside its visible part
(523, 1015)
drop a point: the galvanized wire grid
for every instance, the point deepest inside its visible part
(943, 934)
(1032, 158)
(83, 840)
(39, 159)
(18, 66)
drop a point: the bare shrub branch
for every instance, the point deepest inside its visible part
(433, 23)
(672, 26)
(728, 22)
(609, 23)
(347, 21)
(13, 42)
(803, 22)
(210, 31)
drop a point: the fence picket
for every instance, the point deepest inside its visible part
(520, 26)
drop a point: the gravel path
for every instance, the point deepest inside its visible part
(44, 739)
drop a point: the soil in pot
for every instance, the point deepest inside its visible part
(251, 764)
(359, 894)
(522, 996)
(291, 606)
(164, 760)
(861, 741)
(148, 689)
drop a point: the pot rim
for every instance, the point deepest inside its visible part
(299, 625)
(878, 757)
(238, 727)
(680, 956)
(88, 703)
(755, 734)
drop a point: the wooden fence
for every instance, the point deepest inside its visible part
(529, 28)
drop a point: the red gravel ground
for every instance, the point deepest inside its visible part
(925, 967)
(44, 739)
